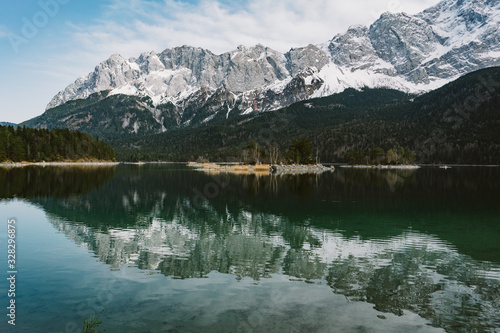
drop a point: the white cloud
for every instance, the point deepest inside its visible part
(279, 24)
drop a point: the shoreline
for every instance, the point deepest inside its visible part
(411, 167)
(220, 166)
(263, 169)
(24, 164)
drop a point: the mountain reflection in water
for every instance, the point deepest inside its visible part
(424, 241)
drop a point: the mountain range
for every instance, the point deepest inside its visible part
(185, 87)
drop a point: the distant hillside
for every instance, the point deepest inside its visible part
(36, 145)
(458, 123)
(4, 123)
(110, 119)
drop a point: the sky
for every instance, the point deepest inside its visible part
(47, 44)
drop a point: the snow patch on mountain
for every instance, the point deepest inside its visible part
(411, 53)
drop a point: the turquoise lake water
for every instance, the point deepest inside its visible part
(163, 248)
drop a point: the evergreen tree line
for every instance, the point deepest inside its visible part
(300, 151)
(37, 145)
(377, 156)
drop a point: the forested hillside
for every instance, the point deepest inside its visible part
(37, 145)
(227, 140)
(112, 119)
(458, 123)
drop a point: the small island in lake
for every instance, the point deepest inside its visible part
(297, 160)
(263, 169)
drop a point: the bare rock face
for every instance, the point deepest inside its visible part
(306, 57)
(413, 53)
(403, 41)
(353, 49)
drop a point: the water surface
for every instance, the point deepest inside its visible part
(162, 248)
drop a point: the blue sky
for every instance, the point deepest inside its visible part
(47, 44)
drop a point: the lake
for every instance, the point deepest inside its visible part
(163, 248)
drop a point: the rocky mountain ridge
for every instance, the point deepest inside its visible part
(410, 53)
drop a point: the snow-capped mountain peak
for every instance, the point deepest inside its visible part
(412, 53)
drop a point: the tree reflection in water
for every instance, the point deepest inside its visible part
(391, 238)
